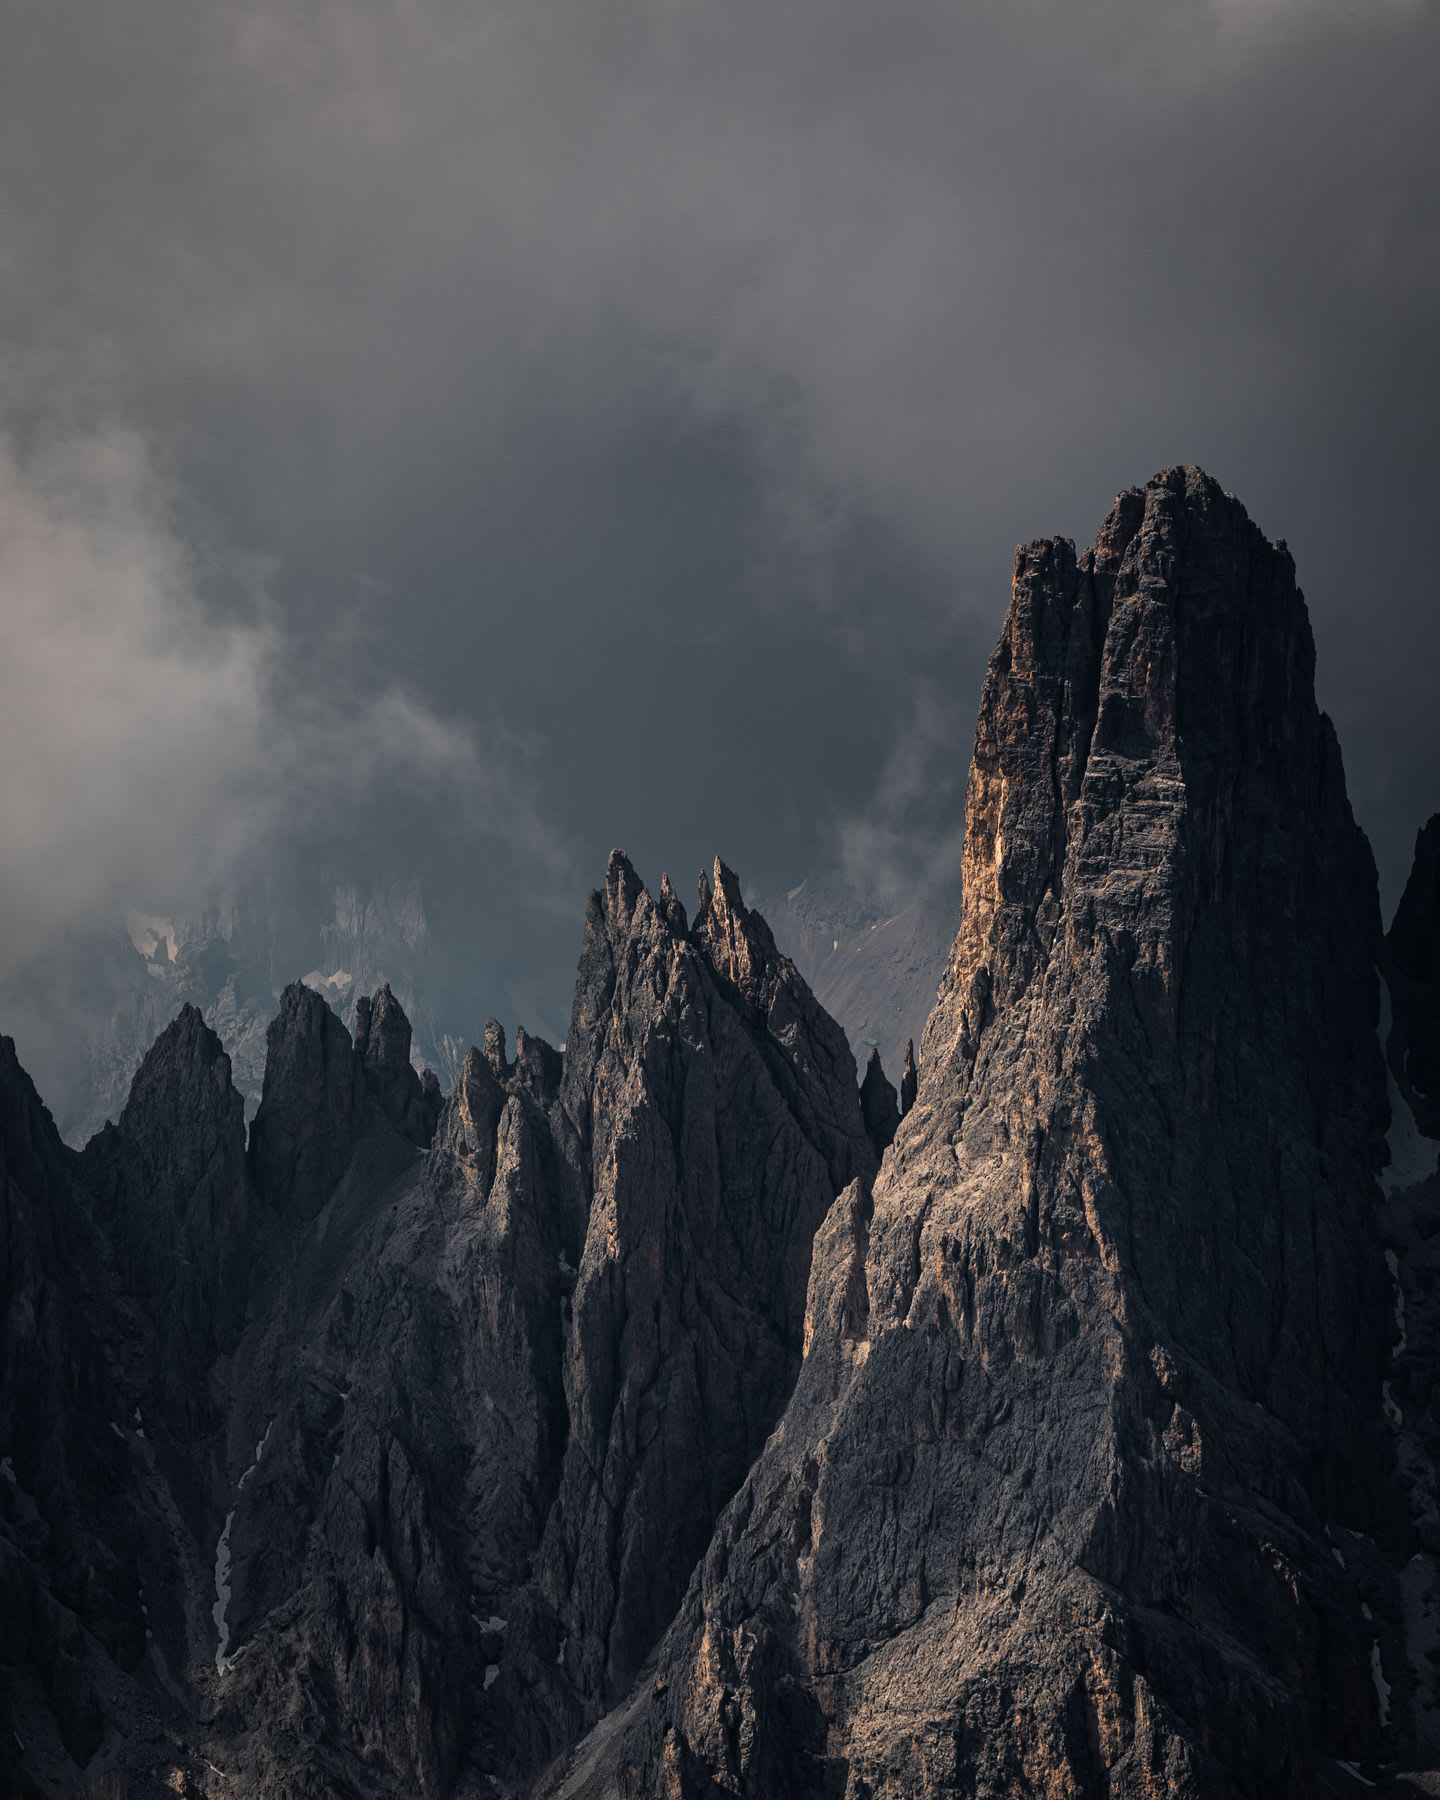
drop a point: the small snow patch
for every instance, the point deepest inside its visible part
(1382, 1686)
(492, 1671)
(7, 1469)
(1334, 1551)
(118, 1432)
(1350, 1769)
(333, 985)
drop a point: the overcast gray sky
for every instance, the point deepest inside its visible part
(562, 423)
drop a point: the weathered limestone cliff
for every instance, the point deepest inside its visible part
(1091, 1416)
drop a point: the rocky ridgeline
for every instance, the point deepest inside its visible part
(375, 1454)
(679, 1416)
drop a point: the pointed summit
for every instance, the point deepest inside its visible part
(1122, 1267)
(878, 1106)
(382, 1049)
(671, 909)
(737, 942)
(171, 1188)
(909, 1079)
(623, 887)
(709, 1114)
(311, 1106)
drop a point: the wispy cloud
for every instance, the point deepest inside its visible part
(159, 725)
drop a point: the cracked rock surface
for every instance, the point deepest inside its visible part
(674, 1415)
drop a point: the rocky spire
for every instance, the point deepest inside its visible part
(878, 1106)
(708, 1151)
(672, 910)
(737, 942)
(172, 1193)
(1122, 1265)
(463, 1161)
(311, 1108)
(806, 1052)
(382, 1049)
(86, 1510)
(909, 1079)
(538, 1066)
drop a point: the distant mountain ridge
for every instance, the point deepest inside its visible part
(345, 934)
(342, 932)
(874, 971)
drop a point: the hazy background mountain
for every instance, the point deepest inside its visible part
(95, 1004)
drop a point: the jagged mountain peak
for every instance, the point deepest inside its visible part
(672, 908)
(738, 943)
(1121, 1264)
(1053, 1437)
(879, 1106)
(623, 889)
(184, 1061)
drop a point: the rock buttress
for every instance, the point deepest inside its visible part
(1091, 1399)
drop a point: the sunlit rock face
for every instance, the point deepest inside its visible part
(1092, 1396)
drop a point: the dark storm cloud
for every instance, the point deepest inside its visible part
(653, 394)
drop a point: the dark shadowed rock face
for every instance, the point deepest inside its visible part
(310, 1106)
(1413, 958)
(1411, 1223)
(322, 1092)
(121, 1282)
(171, 1184)
(56, 1397)
(710, 1114)
(382, 1048)
(413, 1417)
(879, 1107)
(1091, 1400)
(909, 1080)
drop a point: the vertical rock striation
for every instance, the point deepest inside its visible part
(879, 1107)
(1091, 1398)
(310, 1109)
(382, 1048)
(909, 1080)
(710, 1116)
(1055, 1430)
(170, 1180)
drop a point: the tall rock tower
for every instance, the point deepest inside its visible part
(1074, 1492)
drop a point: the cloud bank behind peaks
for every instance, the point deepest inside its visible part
(160, 729)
